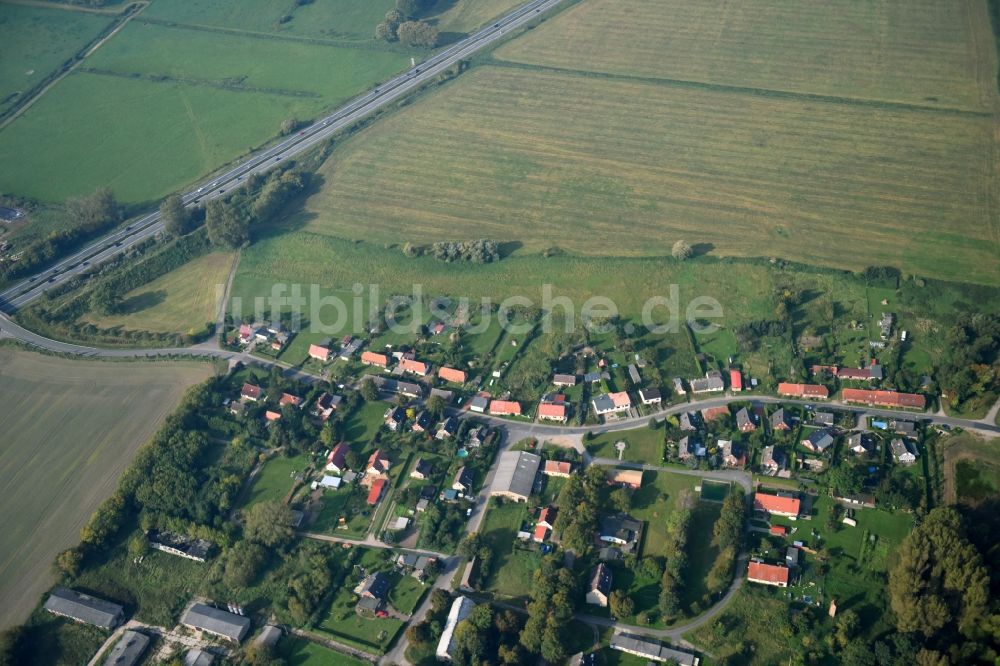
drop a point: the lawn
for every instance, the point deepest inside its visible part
(903, 51)
(756, 622)
(512, 569)
(297, 651)
(344, 624)
(65, 444)
(37, 41)
(349, 503)
(406, 593)
(679, 161)
(275, 479)
(468, 15)
(196, 100)
(654, 501)
(178, 302)
(363, 423)
(641, 445)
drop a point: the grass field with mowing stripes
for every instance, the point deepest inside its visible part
(909, 51)
(70, 428)
(558, 160)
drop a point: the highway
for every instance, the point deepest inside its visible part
(150, 225)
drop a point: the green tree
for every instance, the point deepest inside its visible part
(621, 500)
(435, 406)
(410, 8)
(68, 562)
(174, 215)
(621, 604)
(418, 33)
(269, 524)
(227, 227)
(369, 391)
(138, 546)
(939, 580)
(104, 300)
(242, 566)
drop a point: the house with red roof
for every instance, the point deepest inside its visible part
(378, 463)
(505, 408)
(373, 358)
(803, 390)
(884, 398)
(250, 392)
(319, 353)
(541, 533)
(777, 505)
(768, 574)
(712, 413)
(289, 399)
(376, 491)
(452, 375)
(557, 468)
(735, 380)
(272, 416)
(547, 517)
(414, 367)
(552, 412)
(337, 460)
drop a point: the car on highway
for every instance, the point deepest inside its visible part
(302, 133)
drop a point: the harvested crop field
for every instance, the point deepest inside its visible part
(922, 52)
(70, 428)
(598, 166)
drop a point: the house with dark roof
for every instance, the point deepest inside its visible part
(395, 417)
(564, 380)
(128, 650)
(744, 421)
(710, 383)
(609, 403)
(732, 453)
(688, 421)
(861, 443)
(818, 441)
(378, 463)
(689, 447)
(901, 427)
(477, 436)
(633, 374)
(463, 480)
(779, 421)
(621, 530)
(421, 469)
(599, 587)
(84, 608)
(217, 622)
(650, 396)
(772, 460)
(448, 428)
(479, 404)
(422, 422)
(326, 405)
(823, 419)
(902, 452)
(374, 586)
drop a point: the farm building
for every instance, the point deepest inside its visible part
(217, 622)
(84, 608)
(179, 545)
(460, 609)
(515, 475)
(885, 398)
(128, 650)
(644, 648)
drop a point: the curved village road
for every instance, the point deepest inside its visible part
(347, 115)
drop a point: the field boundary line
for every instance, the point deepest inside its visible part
(106, 11)
(157, 78)
(256, 34)
(746, 90)
(78, 59)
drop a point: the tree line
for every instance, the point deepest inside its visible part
(401, 24)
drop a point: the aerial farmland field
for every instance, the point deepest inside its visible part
(179, 302)
(69, 429)
(36, 42)
(921, 52)
(555, 159)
